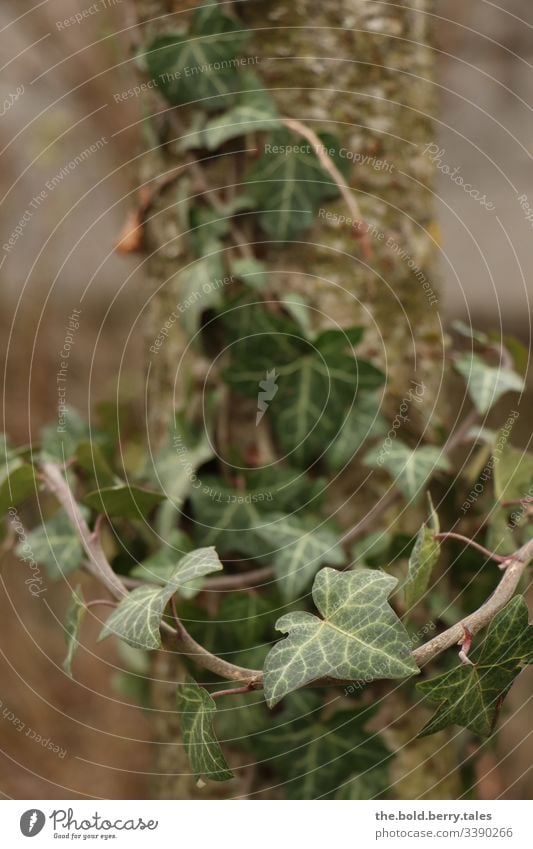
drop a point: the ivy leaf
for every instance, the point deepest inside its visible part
(410, 468)
(317, 382)
(55, 545)
(199, 66)
(196, 711)
(300, 550)
(362, 422)
(486, 384)
(359, 638)
(513, 474)
(251, 271)
(89, 456)
(137, 618)
(471, 696)
(314, 755)
(19, 485)
(74, 616)
(423, 558)
(224, 515)
(159, 568)
(123, 501)
(200, 287)
(254, 110)
(188, 448)
(58, 443)
(288, 183)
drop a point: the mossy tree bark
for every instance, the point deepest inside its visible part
(362, 70)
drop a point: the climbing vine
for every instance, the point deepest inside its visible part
(199, 557)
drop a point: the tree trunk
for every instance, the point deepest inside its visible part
(363, 71)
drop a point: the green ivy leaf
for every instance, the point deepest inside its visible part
(300, 550)
(175, 466)
(201, 65)
(159, 568)
(200, 286)
(362, 422)
(55, 545)
(122, 501)
(224, 516)
(137, 618)
(359, 638)
(314, 755)
(90, 457)
(59, 443)
(500, 539)
(513, 474)
(410, 468)
(288, 183)
(254, 110)
(196, 711)
(317, 382)
(423, 558)
(19, 485)
(251, 271)
(486, 384)
(74, 616)
(471, 696)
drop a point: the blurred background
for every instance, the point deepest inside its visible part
(68, 77)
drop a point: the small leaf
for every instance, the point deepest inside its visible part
(55, 545)
(158, 568)
(423, 558)
(17, 486)
(297, 307)
(300, 550)
(254, 110)
(89, 456)
(199, 66)
(175, 466)
(251, 271)
(196, 712)
(137, 618)
(59, 442)
(74, 616)
(359, 638)
(513, 473)
(410, 468)
(122, 501)
(486, 384)
(471, 696)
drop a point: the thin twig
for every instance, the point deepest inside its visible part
(490, 554)
(96, 601)
(233, 691)
(329, 166)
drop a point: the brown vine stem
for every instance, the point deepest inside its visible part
(98, 565)
(473, 544)
(328, 165)
(484, 614)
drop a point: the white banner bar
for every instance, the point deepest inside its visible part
(265, 824)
